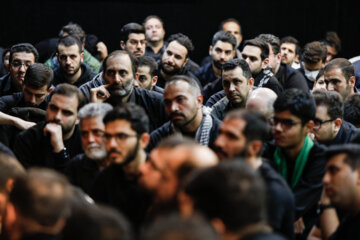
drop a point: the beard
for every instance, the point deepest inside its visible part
(120, 90)
(76, 70)
(95, 151)
(174, 71)
(130, 155)
(218, 64)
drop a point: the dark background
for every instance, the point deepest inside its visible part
(307, 20)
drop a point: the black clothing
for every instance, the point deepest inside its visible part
(308, 190)
(309, 82)
(114, 188)
(215, 98)
(206, 74)
(32, 148)
(349, 229)
(263, 236)
(87, 74)
(16, 100)
(280, 201)
(166, 130)
(346, 133)
(158, 89)
(39, 236)
(266, 79)
(212, 88)
(151, 101)
(6, 150)
(150, 52)
(291, 78)
(46, 48)
(6, 87)
(82, 172)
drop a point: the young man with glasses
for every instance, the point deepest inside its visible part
(329, 126)
(295, 156)
(126, 136)
(22, 55)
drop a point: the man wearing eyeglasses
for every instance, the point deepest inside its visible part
(126, 136)
(297, 158)
(340, 77)
(22, 55)
(329, 126)
(83, 168)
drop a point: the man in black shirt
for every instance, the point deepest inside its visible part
(155, 33)
(72, 70)
(243, 133)
(133, 39)
(126, 136)
(341, 185)
(146, 74)
(83, 168)
(52, 143)
(116, 85)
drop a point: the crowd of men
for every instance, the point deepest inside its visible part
(258, 141)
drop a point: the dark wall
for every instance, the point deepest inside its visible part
(307, 20)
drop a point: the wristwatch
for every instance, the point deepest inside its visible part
(321, 207)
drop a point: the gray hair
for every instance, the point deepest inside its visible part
(94, 110)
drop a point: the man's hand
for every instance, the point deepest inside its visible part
(299, 226)
(56, 138)
(22, 124)
(99, 94)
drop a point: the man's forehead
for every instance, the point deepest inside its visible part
(336, 159)
(177, 48)
(143, 69)
(253, 51)
(119, 61)
(154, 21)
(333, 72)
(68, 49)
(237, 72)
(233, 124)
(137, 36)
(231, 26)
(64, 102)
(288, 45)
(223, 45)
(26, 56)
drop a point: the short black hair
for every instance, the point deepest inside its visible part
(224, 37)
(230, 20)
(69, 90)
(332, 39)
(257, 126)
(331, 100)
(271, 39)
(73, 29)
(183, 40)
(344, 65)
(132, 113)
(352, 109)
(291, 39)
(68, 41)
(230, 191)
(129, 28)
(193, 85)
(117, 53)
(351, 150)
(38, 75)
(236, 62)
(314, 52)
(149, 62)
(298, 102)
(23, 47)
(257, 42)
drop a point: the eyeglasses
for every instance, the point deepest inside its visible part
(318, 123)
(119, 137)
(18, 64)
(284, 122)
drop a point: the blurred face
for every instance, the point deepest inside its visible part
(92, 138)
(174, 58)
(336, 81)
(34, 97)
(234, 29)
(154, 30)
(143, 78)
(331, 53)
(7, 61)
(237, 88)
(136, 44)
(288, 53)
(340, 182)
(63, 110)
(119, 75)
(221, 52)
(70, 59)
(231, 141)
(288, 130)
(324, 125)
(320, 83)
(181, 105)
(122, 143)
(18, 66)
(252, 55)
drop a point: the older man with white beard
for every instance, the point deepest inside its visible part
(83, 168)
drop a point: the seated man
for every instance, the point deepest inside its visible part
(133, 39)
(294, 155)
(54, 142)
(146, 74)
(83, 168)
(329, 126)
(183, 104)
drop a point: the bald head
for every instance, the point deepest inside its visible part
(262, 100)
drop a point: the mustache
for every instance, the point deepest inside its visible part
(175, 114)
(113, 150)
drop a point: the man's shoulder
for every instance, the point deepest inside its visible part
(150, 95)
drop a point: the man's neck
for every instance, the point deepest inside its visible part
(294, 151)
(217, 71)
(276, 69)
(156, 46)
(132, 169)
(254, 162)
(73, 78)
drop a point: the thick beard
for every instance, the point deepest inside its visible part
(131, 154)
(217, 64)
(96, 155)
(121, 92)
(172, 72)
(72, 74)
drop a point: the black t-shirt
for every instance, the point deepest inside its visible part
(348, 229)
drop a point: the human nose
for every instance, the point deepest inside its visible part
(138, 45)
(219, 141)
(330, 86)
(33, 99)
(326, 178)
(58, 115)
(222, 55)
(232, 87)
(174, 107)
